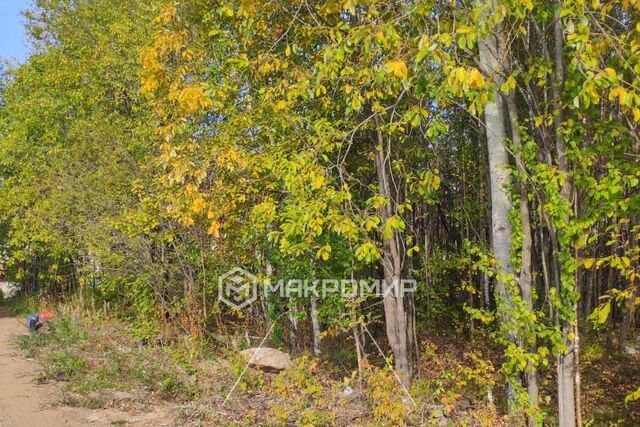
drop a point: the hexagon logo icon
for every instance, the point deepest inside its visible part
(237, 288)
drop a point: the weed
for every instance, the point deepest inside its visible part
(386, 400)
(303, 397)
(65, 365)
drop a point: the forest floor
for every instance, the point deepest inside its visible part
(87, 369)
(25, 401)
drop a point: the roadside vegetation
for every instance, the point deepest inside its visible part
(99, 364)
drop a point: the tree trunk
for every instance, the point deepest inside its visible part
(630, 303)
(545, 271)
(392, 262)
(499, 181)
(315, 324)
(567, 368)
(524, 278)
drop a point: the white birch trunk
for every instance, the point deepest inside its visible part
(315, 323)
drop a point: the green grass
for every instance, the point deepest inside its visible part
(32, 343)
(89, 359)
(21, 305)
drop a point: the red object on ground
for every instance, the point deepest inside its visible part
(46, 315)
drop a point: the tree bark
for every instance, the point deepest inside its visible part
(524, 278)
(499, 181)
(630, 303)
(392, 262)
(567, 369)
(315, 324)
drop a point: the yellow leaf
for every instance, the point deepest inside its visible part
(190, 189)
(198, 205)
(636, 114)
(226, 11)
(610, 72)
(588, 262)
(379, 35)
(214, 229)
(582, 240)
(464, 29)
(410, 251)
(398, 69)
(317, 182)
(348, 5)
(618, 92)
(603, 313)
(476, 79)
(538, 120)
(371, 223)
(436, 182)
(324, 252)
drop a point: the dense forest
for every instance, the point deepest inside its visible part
(486, 151)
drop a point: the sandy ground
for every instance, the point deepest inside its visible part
(25, 403)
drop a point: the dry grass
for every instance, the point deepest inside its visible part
(457, 382)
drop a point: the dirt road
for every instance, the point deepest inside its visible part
(25, 403)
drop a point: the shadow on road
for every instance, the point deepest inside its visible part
(6, 313)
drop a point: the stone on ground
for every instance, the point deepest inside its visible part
(267, 359)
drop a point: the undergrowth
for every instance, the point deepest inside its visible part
(90, 354)
(21, 305)
(95, 356)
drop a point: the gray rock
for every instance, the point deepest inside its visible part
(267, 359)
(464, 403)
(8, 289)
(347, 391)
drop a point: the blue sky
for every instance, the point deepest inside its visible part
(12, 39)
